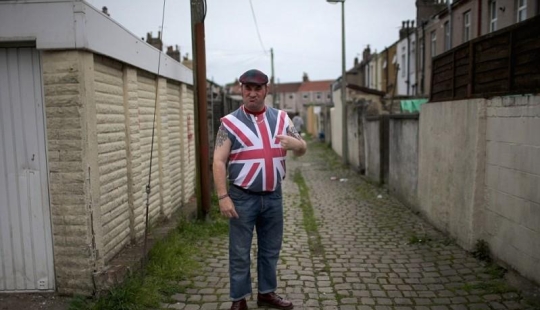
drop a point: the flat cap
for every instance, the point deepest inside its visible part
(254, 76)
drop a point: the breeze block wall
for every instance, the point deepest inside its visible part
(100, 130)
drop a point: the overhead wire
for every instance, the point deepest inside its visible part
(148, 188)
(257, 27)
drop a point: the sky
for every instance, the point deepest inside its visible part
(305, 35)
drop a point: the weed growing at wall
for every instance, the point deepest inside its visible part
(170, 261)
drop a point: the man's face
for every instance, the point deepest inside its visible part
(253, 96)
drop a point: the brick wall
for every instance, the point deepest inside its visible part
(100, 116)
(512, 213)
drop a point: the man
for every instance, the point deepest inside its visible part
(252, 142)
(298, 122)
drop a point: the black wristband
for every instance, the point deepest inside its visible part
(223, 196)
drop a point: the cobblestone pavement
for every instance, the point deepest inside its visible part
(369, 252)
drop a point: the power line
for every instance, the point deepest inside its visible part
(256, 26)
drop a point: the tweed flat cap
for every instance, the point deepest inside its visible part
(254, 76)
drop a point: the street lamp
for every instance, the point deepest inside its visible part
(344, 141)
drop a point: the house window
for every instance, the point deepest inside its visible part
(521, 10)
(305, 96)
(433, 43)
(291, 96)
(319, 95)
(466, 26)
(492, 16)
(447, 36)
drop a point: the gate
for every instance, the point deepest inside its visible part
(26, 251)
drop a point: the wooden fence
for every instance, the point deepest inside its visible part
(501, 63)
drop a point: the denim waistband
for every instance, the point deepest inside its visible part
(247, 191)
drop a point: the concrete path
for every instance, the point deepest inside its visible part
(368, 252)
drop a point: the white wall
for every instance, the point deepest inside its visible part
(512, 209)
(479, 175)
(406, 67)
(451, 167)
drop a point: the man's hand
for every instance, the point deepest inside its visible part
(226, 206)
(290, 143)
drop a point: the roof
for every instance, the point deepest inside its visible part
(316, 86)
(77, 25)
(288, 87)
(365, 90)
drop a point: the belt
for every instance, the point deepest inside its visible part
(247, 191)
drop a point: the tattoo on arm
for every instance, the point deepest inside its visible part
(222, 136)
(293, 132)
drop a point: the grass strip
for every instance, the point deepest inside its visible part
(173, 259)
(309, 220)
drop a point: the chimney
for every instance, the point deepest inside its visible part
(187, 62)
(305, 78)
(105, 11)
(174, 53)
(355, 61)
(427, 8)
(155, 42)
(366, 54)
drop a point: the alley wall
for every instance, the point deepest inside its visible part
(451, 162)
(512, 208)
(100, 122)
(403, 145)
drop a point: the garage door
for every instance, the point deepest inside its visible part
(26, 257)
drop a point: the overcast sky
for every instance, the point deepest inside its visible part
(305, 34)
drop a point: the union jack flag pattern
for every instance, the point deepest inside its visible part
(257, 160)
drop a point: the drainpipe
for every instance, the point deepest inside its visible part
(479, 25)
(423, 60)
(450, 22)
(408, 81)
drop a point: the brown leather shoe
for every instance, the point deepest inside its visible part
(239, 305)
(273, 300)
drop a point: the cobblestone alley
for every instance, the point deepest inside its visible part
(366, 252)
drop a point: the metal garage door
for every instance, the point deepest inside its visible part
(26, 258)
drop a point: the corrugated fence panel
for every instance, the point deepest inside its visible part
(111, 137)
(175, 143)
(189, 143)
(26, 262)
(146, 90)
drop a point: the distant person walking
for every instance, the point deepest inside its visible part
(298, 122)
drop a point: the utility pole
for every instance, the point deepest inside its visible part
(274, 99)
(198, 13)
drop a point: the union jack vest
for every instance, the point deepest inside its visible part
(256, 160)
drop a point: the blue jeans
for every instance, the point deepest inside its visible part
(265, 213)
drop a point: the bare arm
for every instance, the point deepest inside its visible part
(222, 150)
